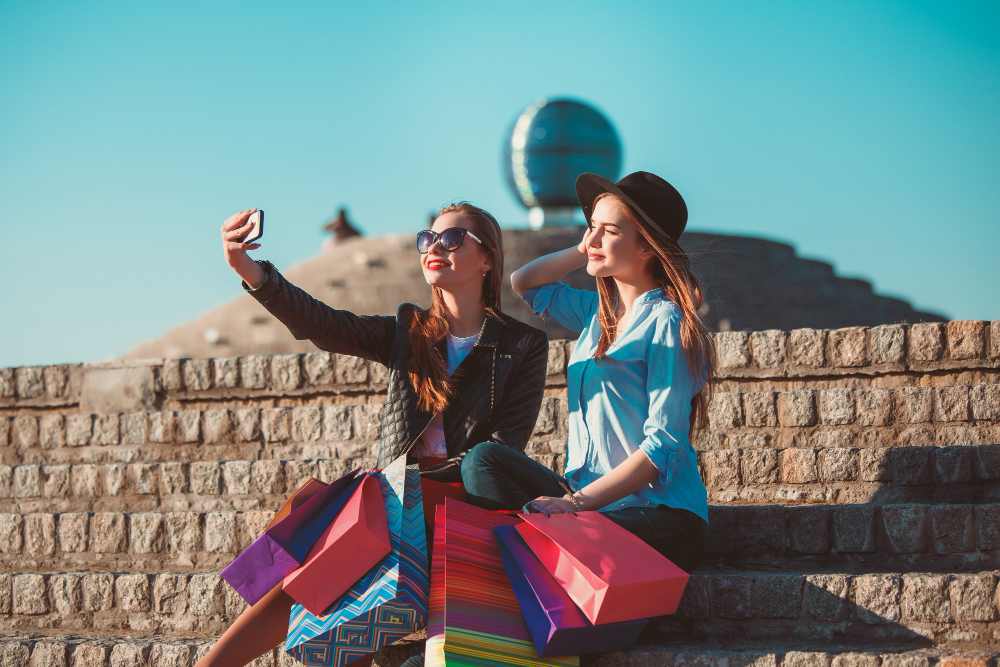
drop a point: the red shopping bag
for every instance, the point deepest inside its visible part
(611, 574)
(434, 493)
(356, 541)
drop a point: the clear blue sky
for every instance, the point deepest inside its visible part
(864, 132)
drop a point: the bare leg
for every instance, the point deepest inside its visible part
(258, 629)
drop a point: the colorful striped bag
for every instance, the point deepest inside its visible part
(474, 616)
(388, 603)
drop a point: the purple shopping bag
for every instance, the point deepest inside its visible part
(283, 546)
(556, 624)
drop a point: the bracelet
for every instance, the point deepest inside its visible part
(576, 503)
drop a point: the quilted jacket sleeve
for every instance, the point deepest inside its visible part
(330, 329)
(517, 410)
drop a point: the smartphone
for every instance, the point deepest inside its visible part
(257, 220)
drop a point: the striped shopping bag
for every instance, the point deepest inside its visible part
(474, 616)
(388, 603)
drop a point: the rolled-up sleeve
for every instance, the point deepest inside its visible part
(670, 388)
(573, 308)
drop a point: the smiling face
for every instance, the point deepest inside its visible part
(459, 269)
(615, 248)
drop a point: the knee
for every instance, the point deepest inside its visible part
(485, 456)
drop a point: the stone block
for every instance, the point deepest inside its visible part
(220, 532)
(966, 339)
(226, 372)
(733, 349)
(912, 466)
(337, 423)
(106, 430)
(917, 436)
(27, 481)
(254, 371)
(24, 434)
(11, 533)
(133, 428)
(887, 344)
(759, 408)
(14, 653)
(914, 404)
(247, 424)
(845, 348)
(85, 479)
(170, 593)
(925, 598)
(721, 529)
(55, 481)
(7, 387)
(205, 478)
(173, 477)
(184, 533)
(197, 374)
(162, 427)
(142, 478)
(855, 659)
(721, 468)
(286, 375)
(114, 478)
(826, 596)
(926, 341)
(877, 597)
(987, 518)
(189, 425)
(107, 532)
(66, 593)
(555, 363)
(378, 375)
(906, 659)
(798, 465)
(778, 595)
(78, 430)
(759, 466)
(731, 596)
(987, 462)
(298, 472)
(806, 347)
(236, 475)
(973, 597)
(276, 424)
(953, 465)
(170, 655)
(49, 654)
(73, 529)
(318, 368)
(806, 659)
(694, 601)
(98, 591)
(30, 596)
(905, 527)
(217, 426)
(951, 404)
(725, 411)
(874, 406)
(269, 476)
(52, 432)
(129, 655)
(40, 534)
(809, 529)
(57, 381)
(797, 408)
(307, 424)
(351, 370)
(368, 421)
(994, 334)
(836, 406)
(169, 376)
(132, 592)
(6, 481)
(759, 529)
(837, 464)
(768, 347)
(29, 381)
(147, 533)
(4, 431)
(953, 529)
(206, 594)
(985, 400)
(6, 594)
(90, 655)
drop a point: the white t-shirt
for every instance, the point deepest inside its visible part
(431, 442)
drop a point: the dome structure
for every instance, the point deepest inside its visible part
(551, 143)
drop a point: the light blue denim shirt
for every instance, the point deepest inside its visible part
(644, 402)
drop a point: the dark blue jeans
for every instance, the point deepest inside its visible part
(497, 477)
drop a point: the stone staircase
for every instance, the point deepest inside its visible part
(853, 477)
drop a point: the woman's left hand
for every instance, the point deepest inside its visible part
(549, 505)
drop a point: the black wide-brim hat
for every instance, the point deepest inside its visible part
(652, 198)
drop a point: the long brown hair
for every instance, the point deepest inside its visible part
(672, 271)
(426, 366)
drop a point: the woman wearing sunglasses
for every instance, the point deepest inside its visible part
(636, 379)
(460, 373)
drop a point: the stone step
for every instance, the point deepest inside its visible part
(910, 608)
(842, 475)
(940, 537)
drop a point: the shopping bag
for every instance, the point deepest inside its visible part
(389, 602)
(474, 617)
(307, 490)
(610, 574)
(284, 544)
(434, 493)
(356, 540)
(555, 623)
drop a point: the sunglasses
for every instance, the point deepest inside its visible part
(450, 239)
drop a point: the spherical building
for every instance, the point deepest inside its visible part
(552, 142)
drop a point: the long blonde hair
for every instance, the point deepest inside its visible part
(672, 270)
(426, 367)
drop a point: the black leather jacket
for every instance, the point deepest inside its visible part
(499, 384)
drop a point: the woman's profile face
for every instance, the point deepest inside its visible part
(615, 247)
(458, 268)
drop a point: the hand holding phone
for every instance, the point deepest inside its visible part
(256, 220)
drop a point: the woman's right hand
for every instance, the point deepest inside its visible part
(236, 253)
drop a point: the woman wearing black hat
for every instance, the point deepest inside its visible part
(637, 377)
